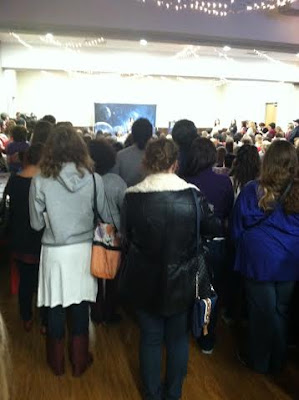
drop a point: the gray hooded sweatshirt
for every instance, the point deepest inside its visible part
(64, 206)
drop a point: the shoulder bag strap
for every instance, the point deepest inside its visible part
(197, 240)
(95, 203)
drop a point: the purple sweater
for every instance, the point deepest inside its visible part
(13, 151)
(217, 189)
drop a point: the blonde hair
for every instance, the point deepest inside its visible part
(251, 124)
(4, 362)
(265, 145)
(259, 139)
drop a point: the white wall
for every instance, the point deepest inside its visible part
(8, 80)
(246, 100)
(72, 97)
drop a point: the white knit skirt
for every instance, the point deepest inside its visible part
(64, 276)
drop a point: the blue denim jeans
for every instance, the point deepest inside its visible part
(268, 306)
(154, 331)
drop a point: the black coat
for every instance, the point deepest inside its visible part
(159, 226)
(23, 239)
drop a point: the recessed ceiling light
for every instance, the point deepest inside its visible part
(49, 36)
(143, 42)
(226, 48)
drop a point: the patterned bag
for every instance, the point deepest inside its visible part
(106, 248)
(205, 296)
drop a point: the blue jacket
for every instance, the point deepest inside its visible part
(268, 251)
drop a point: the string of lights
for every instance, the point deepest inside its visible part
(218, 8)
(189, 52)
(20, 40)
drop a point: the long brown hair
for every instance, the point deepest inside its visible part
(279, 170)
(64, 145)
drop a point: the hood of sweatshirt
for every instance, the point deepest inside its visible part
(72, 179)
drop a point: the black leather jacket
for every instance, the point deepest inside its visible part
(159, 226)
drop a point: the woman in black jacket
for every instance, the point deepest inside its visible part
(159, 224)
(25, 243)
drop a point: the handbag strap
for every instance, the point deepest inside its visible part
(197, 221)
(197, 240)
(95, 205)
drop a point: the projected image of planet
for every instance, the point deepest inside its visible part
(118, 118)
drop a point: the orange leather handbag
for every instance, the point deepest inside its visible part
(106, 247)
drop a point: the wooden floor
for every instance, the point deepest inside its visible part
(114, 374)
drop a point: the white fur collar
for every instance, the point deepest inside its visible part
(161, 182)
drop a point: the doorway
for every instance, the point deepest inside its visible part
(271, 113)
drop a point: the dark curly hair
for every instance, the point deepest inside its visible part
(160, 155)
(103, 155)
(64, 145)
(246, 166)
(279, 170)
(202, 155)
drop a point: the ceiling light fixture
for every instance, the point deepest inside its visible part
(143, 42)
(220, 8)
(49, 36)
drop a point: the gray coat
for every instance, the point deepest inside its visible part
(129, 165)
(64, 206)
(115, 188)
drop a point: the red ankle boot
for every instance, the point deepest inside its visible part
(80, 358)
(55, 355)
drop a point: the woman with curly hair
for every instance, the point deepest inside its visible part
(61, 202)
(246, 167)
(266, 232)
(160, 228)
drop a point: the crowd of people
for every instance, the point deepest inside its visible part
(241, 184)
